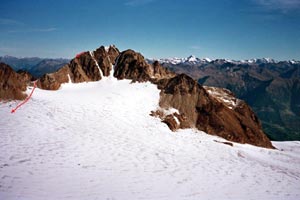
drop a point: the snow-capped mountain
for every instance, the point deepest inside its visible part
(259, 61)
(188, 60)
(194, 60)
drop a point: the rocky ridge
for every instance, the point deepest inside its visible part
(88, 66)
(183, 102)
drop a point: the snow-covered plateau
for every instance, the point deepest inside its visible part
(97, 140)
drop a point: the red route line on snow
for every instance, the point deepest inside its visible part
(25, 101)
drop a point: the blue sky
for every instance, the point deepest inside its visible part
(234, 29)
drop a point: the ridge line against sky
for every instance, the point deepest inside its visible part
(230, 29)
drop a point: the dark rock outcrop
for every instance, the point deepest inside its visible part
(54, 80)
(26, 76)
(12, 84)
(132, 65)
(106, 58)
(84, 69)
(212, 114)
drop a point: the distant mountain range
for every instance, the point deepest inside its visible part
(34, 65)
(193, 60)
(271, 88)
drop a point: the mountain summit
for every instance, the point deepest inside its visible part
(213, 110)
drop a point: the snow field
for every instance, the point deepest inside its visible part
(97, 141)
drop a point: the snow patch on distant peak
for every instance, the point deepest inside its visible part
(207, 59)
(294, 62)
(192, 58)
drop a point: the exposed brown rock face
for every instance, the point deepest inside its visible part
(183, 93)
(132, 65)
(83, 68)
(106, 59)
(199, 107)
(208, 113)
(161, 72)
(54, 80)
(26, 76)
(12, 85)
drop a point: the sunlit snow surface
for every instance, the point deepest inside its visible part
(97, 141)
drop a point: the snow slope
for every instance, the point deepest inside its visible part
(97, 141)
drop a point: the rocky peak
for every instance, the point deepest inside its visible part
(106, 58)
(86, 66)
(132, 65)
(113, 53)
